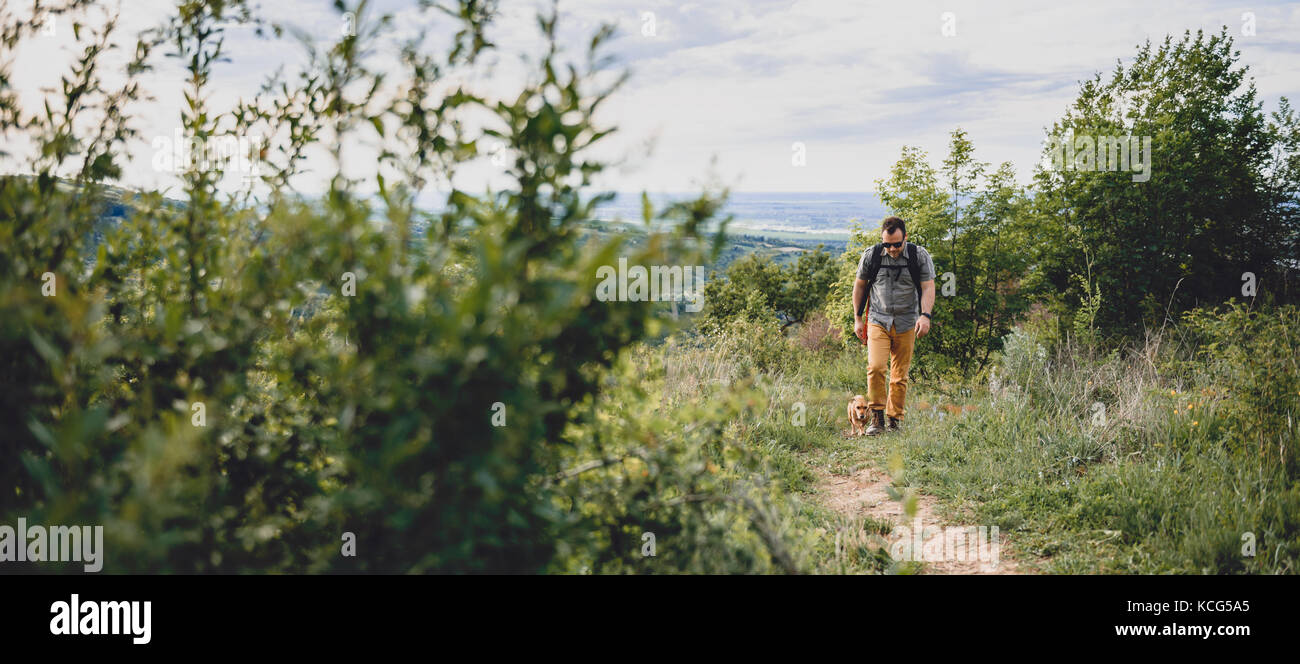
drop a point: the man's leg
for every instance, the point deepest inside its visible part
(878, 352)
(900, 356)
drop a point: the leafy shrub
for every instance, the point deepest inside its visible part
(791, 293)
(752, 341)
(1251, 357)
(230, 383)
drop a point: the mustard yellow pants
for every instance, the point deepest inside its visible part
(895, 348)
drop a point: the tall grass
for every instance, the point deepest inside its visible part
(1136, 459)
(1139, 459)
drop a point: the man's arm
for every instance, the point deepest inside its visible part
(860, 302)
(861, 306)
(927, 306)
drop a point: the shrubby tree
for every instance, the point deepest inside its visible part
(1220, 201)
(970, 219)
(788, 293)
(367, 408)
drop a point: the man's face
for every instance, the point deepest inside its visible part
(896, 236)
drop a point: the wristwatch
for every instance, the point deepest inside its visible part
(927, 315)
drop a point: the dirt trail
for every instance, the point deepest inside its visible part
(864, 493)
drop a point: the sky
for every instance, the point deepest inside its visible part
(762, 95)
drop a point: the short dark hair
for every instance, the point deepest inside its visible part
(891, 224)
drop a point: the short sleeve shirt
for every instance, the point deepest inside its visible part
(894, 299)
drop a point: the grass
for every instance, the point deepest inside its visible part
(1147, 482)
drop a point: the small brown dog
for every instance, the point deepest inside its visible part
(858, 416)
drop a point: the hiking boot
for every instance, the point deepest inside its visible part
(894, 424)
(877, 423)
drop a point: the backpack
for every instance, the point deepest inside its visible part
(913, 267)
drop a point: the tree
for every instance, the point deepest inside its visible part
(790, 293)
(970, 220)
(1220, 200)
(230, 382)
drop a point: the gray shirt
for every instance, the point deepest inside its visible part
(893, 298)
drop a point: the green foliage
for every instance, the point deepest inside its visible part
(1085, 317)
(839, 304)
(1220, 201)
(1250, 356)
(753, 339)
(676, 473)
(751, 289)
(756, 282)
(807, 286)
(971, 222)
(230, 383)
(927, 362)
(1195, 451)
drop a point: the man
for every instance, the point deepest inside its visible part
(897, 315)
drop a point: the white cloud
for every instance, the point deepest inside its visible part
(744, 80)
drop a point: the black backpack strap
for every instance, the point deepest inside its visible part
(873, 267)
(914, 267)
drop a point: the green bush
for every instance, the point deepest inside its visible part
(233, 383)
(1249, 357)
(756, 283)
(1191, 460)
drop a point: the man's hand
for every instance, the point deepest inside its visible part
(922, 327)
(860, 330)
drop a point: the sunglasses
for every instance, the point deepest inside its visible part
(889, 245)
